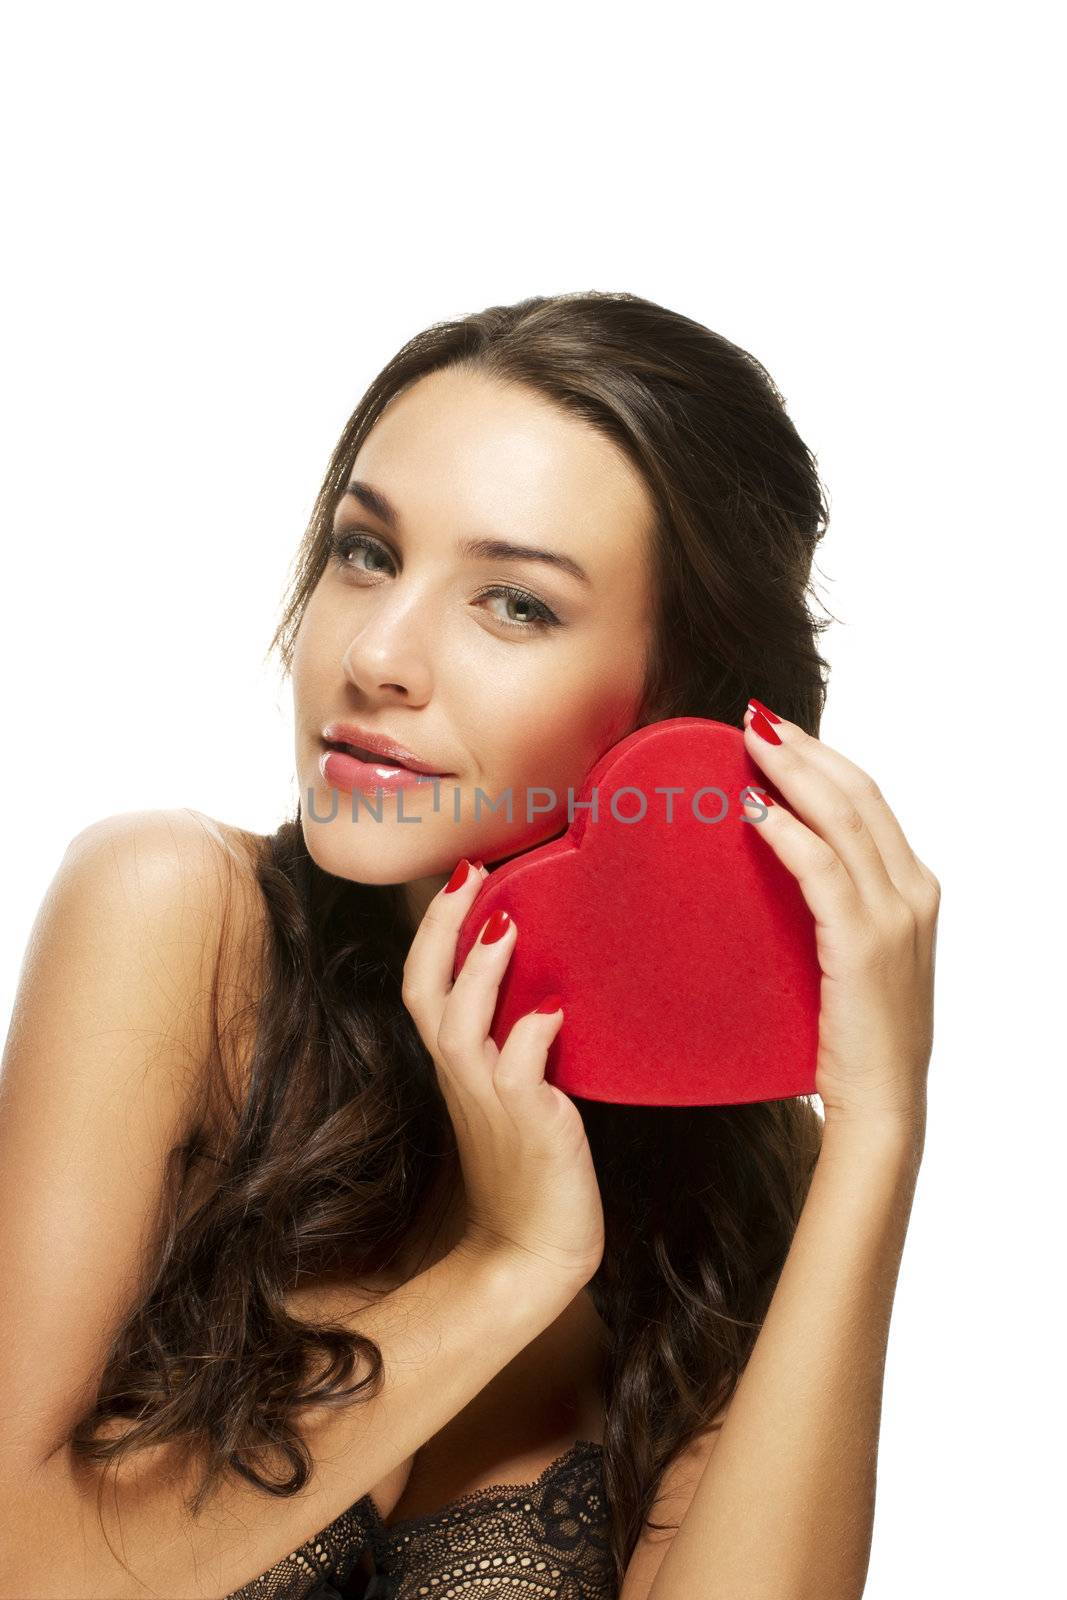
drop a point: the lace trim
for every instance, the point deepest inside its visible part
(492, 1490)
(331, 1554)
(543, 1540)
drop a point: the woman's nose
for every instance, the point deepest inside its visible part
(391, 650)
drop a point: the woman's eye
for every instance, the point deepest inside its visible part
(344, 546)
(540, 617)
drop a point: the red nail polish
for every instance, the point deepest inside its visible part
(477, 865)
(496, 927)
(550, 1003)
(459, 876)
(761, 726)
(758, 705)
(761, 797)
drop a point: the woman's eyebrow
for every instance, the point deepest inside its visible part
(374, 501)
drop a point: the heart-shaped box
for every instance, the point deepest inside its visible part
(683, 950)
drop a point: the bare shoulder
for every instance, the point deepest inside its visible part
(171, 895)
(159, 861)
(154, 850)
(102, 1077)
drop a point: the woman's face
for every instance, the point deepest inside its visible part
(408, 636)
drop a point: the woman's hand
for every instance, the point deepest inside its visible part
(528, 1172)
(875, 906)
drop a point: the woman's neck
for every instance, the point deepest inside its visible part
(416, 896)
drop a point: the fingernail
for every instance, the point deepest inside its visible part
(496, 927)
(478, 865)
(760, 798)
(760, 725)
(757, 705)
(459, 876)
(551, 1002)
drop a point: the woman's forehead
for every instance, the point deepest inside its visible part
(481, 459)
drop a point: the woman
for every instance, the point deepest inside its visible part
(346, 1295)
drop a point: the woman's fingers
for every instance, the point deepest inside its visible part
(819, 800)
(455, 1030)
(519, 1075)
(463, 1032)
(429, 961)
(824, 880)
(858, 812)
(529, 1179)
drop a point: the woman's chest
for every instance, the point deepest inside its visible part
(533, 1411)
(549, 1395)
(522, 1427)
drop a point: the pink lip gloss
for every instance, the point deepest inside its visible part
(345, 772)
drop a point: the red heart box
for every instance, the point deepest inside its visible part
(682, 949)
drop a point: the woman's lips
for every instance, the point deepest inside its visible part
(348, 772)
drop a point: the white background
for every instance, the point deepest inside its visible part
(222, 220)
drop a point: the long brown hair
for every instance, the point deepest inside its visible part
(338, 1142)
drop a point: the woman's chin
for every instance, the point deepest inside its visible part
(384, 857)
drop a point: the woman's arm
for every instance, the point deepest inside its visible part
(100, 1077)
(784, 1507)
(444, 1336)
